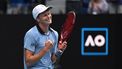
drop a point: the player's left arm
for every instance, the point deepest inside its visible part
(61, 47)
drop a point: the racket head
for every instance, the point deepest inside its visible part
(68, 26)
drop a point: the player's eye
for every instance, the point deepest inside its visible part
(48, 13)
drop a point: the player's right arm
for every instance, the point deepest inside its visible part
(31, 58)
(29, 49)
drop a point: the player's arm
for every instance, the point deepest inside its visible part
(31, 58)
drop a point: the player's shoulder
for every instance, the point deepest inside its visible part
(54, 31)
(31, 31)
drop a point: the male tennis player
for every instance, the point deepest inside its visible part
(41, 48)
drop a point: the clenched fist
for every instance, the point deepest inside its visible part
(48, 44)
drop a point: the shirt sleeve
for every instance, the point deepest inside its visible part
(55, 47)
(29, 42)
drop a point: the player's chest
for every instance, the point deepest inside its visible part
(43, 38)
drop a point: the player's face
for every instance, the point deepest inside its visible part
(45, 18)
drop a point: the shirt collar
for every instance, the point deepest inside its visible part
(40, 30)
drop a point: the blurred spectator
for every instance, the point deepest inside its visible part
(22, 6)
(58, 5)
(98, 7)
(17, 7)
(120, 6)
(113, 6)
(3, 6)
(85, 4)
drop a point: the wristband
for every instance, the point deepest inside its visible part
(59, 53)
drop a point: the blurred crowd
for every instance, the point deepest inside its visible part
(13, 7)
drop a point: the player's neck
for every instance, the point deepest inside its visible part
(44, 28)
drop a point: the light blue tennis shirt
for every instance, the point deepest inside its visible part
(34, 41)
